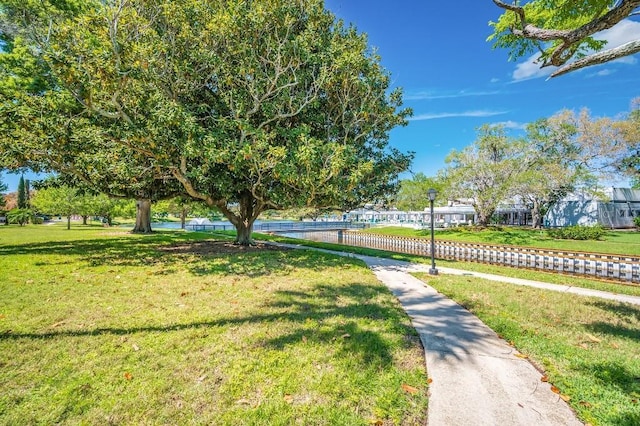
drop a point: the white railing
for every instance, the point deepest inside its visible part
(604, 266)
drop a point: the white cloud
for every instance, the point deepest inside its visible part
(531, 69)
(511, 125)
(432, 95)
(602, 73)
(476, 113)
(624, 32)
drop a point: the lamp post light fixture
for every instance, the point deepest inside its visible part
(432, 196)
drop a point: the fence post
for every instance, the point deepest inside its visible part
(340, 236)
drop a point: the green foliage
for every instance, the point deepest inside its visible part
(19, 216)
(275, 104)
(578, 232)
(636, 221)
(548, 14)
(484, 171)
(22, 193)
(413, 192)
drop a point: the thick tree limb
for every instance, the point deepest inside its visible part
(601, 57)
(569, 39)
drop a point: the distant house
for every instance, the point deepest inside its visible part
(615, 210)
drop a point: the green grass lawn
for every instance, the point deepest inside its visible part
(617, 242)
(98, 326)
(527, 274)
(588, 348)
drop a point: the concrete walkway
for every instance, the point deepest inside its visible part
(476, 377)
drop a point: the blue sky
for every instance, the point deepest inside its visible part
(455, 81)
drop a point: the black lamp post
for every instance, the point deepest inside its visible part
(432, 196)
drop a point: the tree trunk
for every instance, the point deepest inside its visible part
(69, 221)
(183, 218)
(250, 209)
(143, 216)
(84, 219)
(243, 232)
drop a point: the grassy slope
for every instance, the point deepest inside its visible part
(617, 242)
(102, 327)
(589, 348)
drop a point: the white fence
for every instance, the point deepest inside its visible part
(604, 266)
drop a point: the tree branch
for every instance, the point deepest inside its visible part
(626, 49)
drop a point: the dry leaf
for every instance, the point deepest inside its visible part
(584, 404)
(346, 335)
(555, 390)
(288, 398)
(565, 398)
(593, 338)
(376, 422)
(128, 376)
(523, 356)
(409, 389)
(544, 379)
(583, 346)
(615, 346)
(304, 339)
(201, 378)
(135, 347)
(429, 380)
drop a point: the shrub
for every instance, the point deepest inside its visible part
(578, 232)
(19, 216)
(636, 221)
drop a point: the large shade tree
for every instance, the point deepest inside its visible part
(563, 32)
(249, 106)
(484, 173)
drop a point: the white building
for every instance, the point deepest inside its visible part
(615, 210)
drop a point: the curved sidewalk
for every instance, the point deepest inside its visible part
(476, 377)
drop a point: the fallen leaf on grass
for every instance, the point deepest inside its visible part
(304, 339)
(345, 336)
(615, 346)
(584, 404)
(555, 390)
(565, 398)
(201, 378)
(128, 376)
(523, 356)
(288, 398)
(135, 347)
(376, 422)
(544, 379)
(593, 338)
(409, 389)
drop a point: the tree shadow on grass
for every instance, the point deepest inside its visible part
(168, 249)
(628, 324)
(613, 376)
(353, 327)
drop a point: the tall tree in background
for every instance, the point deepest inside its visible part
(3, 188)
(563, 31)
(554, 164)
(250, 106)
(22, 193)
(413, 192)
(484, 172)
(629, 128)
